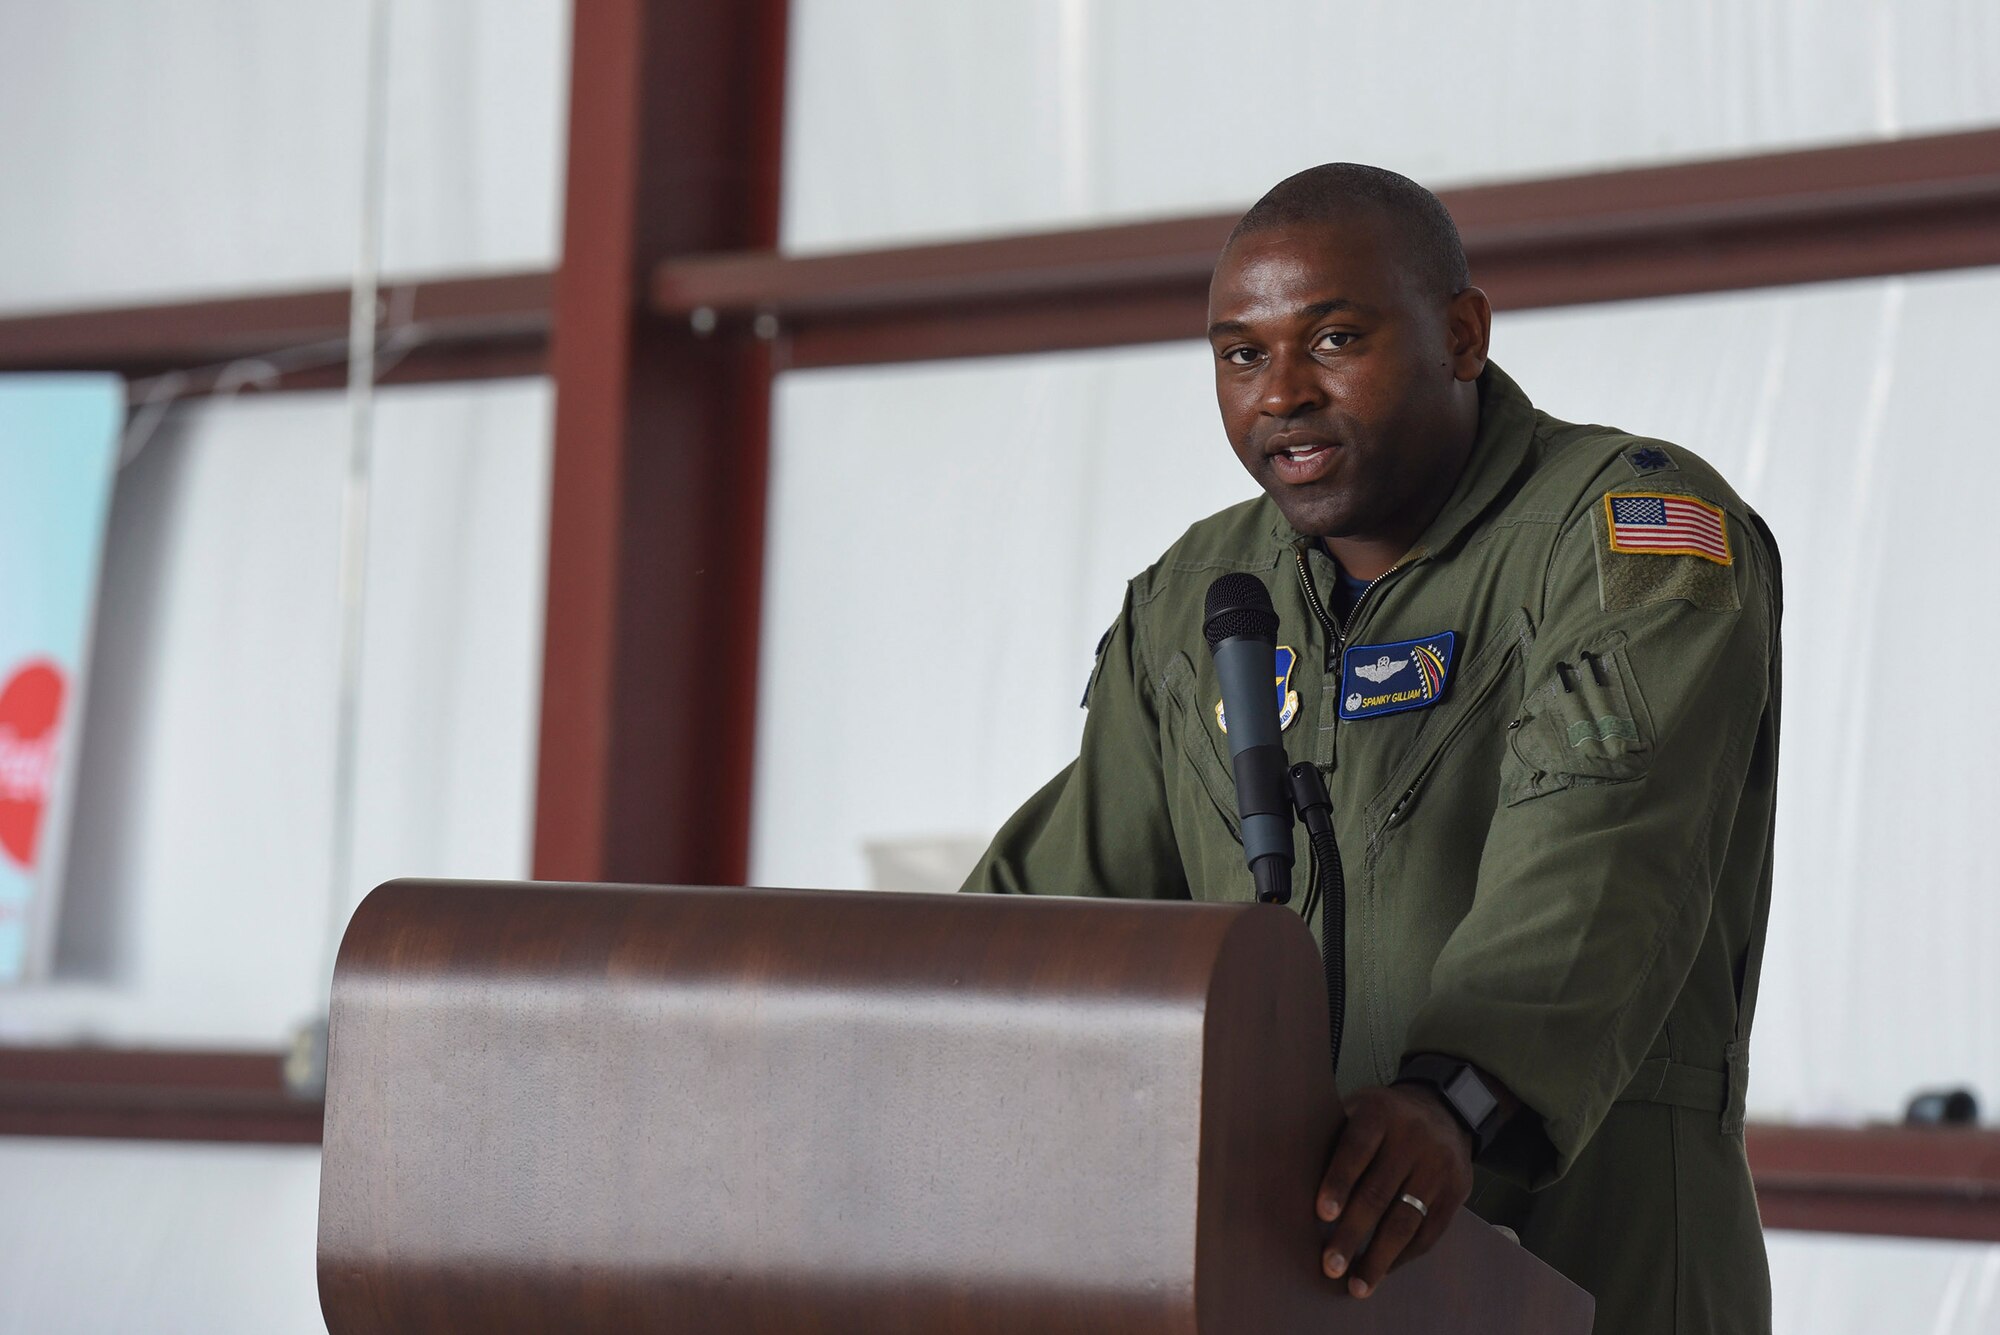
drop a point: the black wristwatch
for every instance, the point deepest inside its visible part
(1459, 1084)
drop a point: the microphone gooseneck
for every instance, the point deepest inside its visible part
(1242, 632)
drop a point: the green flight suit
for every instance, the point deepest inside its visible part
(1559, 870)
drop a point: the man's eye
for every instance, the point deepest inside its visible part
(1240, 356)
(1332, 338)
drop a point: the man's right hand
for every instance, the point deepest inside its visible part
(1397, 1141)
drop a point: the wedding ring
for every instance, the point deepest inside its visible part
(1415, 1204)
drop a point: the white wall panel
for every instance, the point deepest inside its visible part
(908, 118)
(948, 542)
(111, 1238)
(156, 151)
(198, 906)
(1831, 1284)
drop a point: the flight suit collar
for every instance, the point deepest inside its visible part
(1506, 435)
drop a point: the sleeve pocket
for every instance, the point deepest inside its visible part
(1187, 727)
(1584, 724)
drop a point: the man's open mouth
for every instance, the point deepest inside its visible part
(1303, 461)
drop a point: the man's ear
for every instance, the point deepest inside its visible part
(1468, 325)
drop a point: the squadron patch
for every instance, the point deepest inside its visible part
(1288, 699)
(1390, 678)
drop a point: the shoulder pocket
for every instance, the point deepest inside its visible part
(1662, 544)
(1585, 724)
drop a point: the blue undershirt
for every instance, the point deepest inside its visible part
(1346, 592)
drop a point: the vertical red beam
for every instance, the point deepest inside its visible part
(656, 525)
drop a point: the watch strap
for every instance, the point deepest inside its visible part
(1459, 1084)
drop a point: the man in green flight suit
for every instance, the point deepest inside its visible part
(1537, 664)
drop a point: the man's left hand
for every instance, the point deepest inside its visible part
(1398, 1140)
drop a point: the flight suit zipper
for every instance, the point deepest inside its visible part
(1336, 633)
(1320, 614)
(1332, 928)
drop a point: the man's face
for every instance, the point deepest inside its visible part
(1338, 378)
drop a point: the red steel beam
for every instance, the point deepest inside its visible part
(152, 1095)
(1895, 206)
(656, 535)
(1859, 210)
(1897, 1181)
(435, 329)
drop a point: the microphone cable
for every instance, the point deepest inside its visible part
(1326, 887)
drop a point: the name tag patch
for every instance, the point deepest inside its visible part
(1390, 678)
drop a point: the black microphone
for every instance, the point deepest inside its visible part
(1242, 633)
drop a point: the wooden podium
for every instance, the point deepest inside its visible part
(608, 1108)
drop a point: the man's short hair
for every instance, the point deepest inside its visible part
(1335, 189)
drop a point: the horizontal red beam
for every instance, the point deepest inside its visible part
(1886, 1181)
(1854, 211)
(1895, 206)
(1941, 1182)
(152, 1095)
(444, 329)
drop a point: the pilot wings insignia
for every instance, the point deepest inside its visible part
(1381, 669)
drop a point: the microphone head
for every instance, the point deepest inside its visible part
(1238, 605)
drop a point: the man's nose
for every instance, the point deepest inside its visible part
(1291, 385)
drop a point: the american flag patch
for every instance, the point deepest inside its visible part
(1663, 525)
